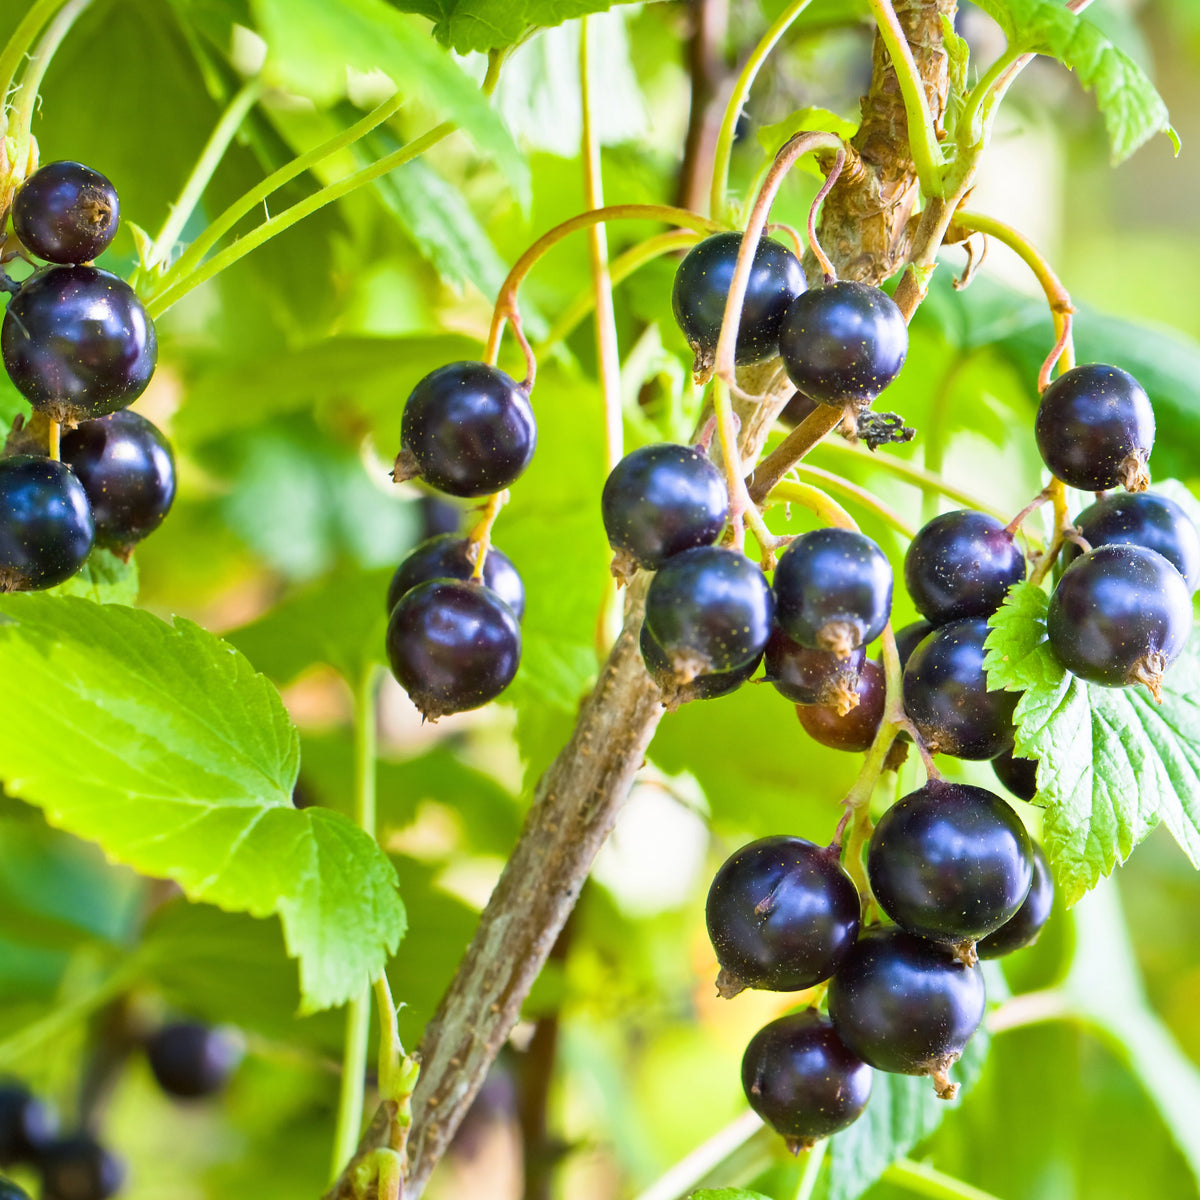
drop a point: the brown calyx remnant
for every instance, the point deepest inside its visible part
(939, 1072)
(798, 1145)
(405, 467)
(728, 985)
(840, 638)
(1149, 670)
(1133, 474)
(623, 567)
(964, 951)
(842, 695)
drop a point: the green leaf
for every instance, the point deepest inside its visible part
(105, 578)
(1133, 110)
(772, 138)
(1112, 763)
(727, 1194)
(160, 743)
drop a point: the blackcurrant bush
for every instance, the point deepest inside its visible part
(853, 729)
(190, 1060)
(46, 528)
(467, 430)
(1142, 519)
(1019, 775)
(659, 501)
(706, 686)
(1025, 928)
(833, 590)
(702, 287)
(66, 213)
(27, 1124)
(1120, 615)
(128, 472)
(950, 862)
(1095, 429)
(78, 343)
(946, 694)
(709, 610)
(453, 646)
(802, 1081)
(445, 557)
(907, 1005)
(961, 564)
(909, 638)
(79, 1168)
(806, 676)
(843, 343)
(781, 913)
(10, 1191)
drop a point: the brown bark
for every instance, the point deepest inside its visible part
(711, 80)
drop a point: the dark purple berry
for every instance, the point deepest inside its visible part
(79, 1168)
(453, 646)
(128, 472)
(833, 590)
(906, 1005)
(1095, 429)
(781, 913)
(1025, 928)
(66, 213)
(27, 1125)
(445, 557)
(437, 516)
(702, 287)
(909, 638)
(806, 676)
(961, 564)
(706, 686)
(851, 729)
(1120, 615)
(946, 694)
(78, 343)
(467, 430)
(797, 409)
(46, 528)
(843, 343)
(1019, 775)
(190, 1060)
(802, 1081)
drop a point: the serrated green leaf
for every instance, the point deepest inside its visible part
(106, 578)
(727, 1194)
(160, 743)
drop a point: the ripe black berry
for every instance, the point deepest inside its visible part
(1019, 775)
(802, 1081)
(445, 557)
(1143, 519)
(961, 564)
(79, 1168)
(781, 913)
(66, 213)
(659, 501)
(906, 1005)
(453, 646)
(706, 686)
(46, 526)
(467, 430)
(190, 1060)
(128, 472)
(1095, 429)
(808, 676)
(709, 610)
(78, 343)
(950, 862)
(843, 343)
(27, 1124)
(909, 638)
(833, 589)
(1120, 615)
(851, 729)
(1025, 928)
(702, 287)
(946, 694)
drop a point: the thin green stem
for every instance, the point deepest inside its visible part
(18, 46)
(741, 90)
(936, 436)
(861, 496)
(202, 172)
(812, 1170)
(815, 500)
(1032, 1008)
(970, 115)
(741, 507)
(924, 1180)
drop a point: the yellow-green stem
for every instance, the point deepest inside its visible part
(865, 499)
(812, 1170)
(815, 500)
(973, 108)
(924, 1180)
(17, 47)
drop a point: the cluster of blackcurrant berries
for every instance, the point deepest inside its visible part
(454, 632)
(80, 347)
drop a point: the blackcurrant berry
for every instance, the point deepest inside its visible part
(445, 557)
(702, 287)
(1142, 519)
(1095, 429)
(706, 686)
(10, 1191)
(27, 1124)
(833, 590)
(46, 528)
(806, 676)
(709, 610)
(909, 638)
(802, 1081)
(946, 694)
(79, 1168)
(950, 862)
(467, 430)
(1025, 928)
(659, 501)
(961, 564)
(66, 213)
(854, 729)
(190, 1060)
(437, 516)
(843, 343)
(1019, 775)
(906, 1005)
(78, 343)
(453, 646)
(781, 913)
(128, 472)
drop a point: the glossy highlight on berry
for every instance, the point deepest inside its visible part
(1026, 927)
(46, 528)
(445, 557)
